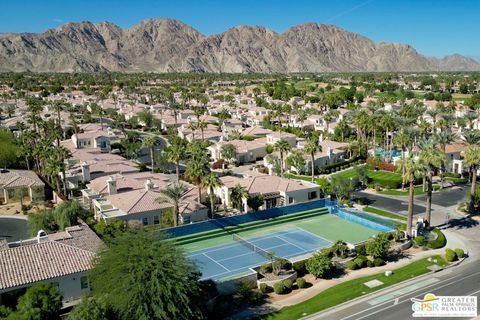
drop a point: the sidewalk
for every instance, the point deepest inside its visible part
(305, 294)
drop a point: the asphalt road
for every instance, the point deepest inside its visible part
(395, 303)
(447, 198)
(13, 229)
(390, 204)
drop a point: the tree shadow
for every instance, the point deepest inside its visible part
(460, 223)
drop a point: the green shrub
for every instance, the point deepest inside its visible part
(265, 268)
(378, 262)
(301, 283)
(379, 247)
(361, 249)
(288, 284)
(351, 265)
(439, 242)
(269, 148)
(419, 240)
(361, 261)
(370, 264)
(263, 288)
(300, 267)
(450, 255)
(460, 253)
(319, 265)
(278, 288)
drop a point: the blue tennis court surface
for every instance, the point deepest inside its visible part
(236, 258)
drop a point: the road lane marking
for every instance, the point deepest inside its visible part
(449, 280)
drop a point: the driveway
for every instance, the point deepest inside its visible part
(395, 205)
(13, 229)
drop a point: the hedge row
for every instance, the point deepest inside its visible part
(339, 165)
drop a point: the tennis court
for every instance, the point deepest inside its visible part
(227, 250)
(236, 258)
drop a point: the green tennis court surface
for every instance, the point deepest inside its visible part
(316, 221)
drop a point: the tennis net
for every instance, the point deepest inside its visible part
(251, 246)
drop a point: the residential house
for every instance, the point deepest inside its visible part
(63, 258)
(247, 151)
(134, 197)
(17, 183)
(276, 191)
(273, 137)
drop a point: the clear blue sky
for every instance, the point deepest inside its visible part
(433, 27)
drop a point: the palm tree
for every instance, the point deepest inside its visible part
(211, 182)
(311, 148)
(412, 169)
(237, 195)
(282, 147)
(197, 168)
(443, 138)
(433, 159)
(472, 159)
(176, 152)
(433, 113)
(403, 139)
(173, 194)
(202, 125)
(151, 142)
(193, 125)
(228, 152)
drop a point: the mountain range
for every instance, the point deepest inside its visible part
(166, 45)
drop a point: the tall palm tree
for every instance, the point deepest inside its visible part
(433, 159)
(197, 168)
(412, 169)
(173, 194)
(472, 159)
(443, 138)
(211, 182)
(311, 148)
(176, 152)
(151, 142)
(237, 195)
(193, 126)
(433, 113)
(403, 140)
(202, 125)
(282, 147)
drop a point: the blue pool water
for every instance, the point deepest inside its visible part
(395, 153)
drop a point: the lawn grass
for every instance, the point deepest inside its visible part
(373, 175)
(352, 289)
(384, 213)
(418, 190)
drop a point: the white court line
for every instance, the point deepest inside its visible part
(314, 235)
(216, 262)
(288, 242)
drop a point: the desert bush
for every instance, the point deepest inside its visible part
(378, 262)
(460, 253)
(450, 255)
(351, 265)
(301, 283)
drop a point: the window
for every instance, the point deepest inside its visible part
(312, 195)
(84, 282)
(156, 219)
(290, 200)
(145, 221)
(186, 220)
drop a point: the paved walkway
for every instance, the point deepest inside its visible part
(305, 294)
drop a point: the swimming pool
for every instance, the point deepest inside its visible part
(395, 153)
